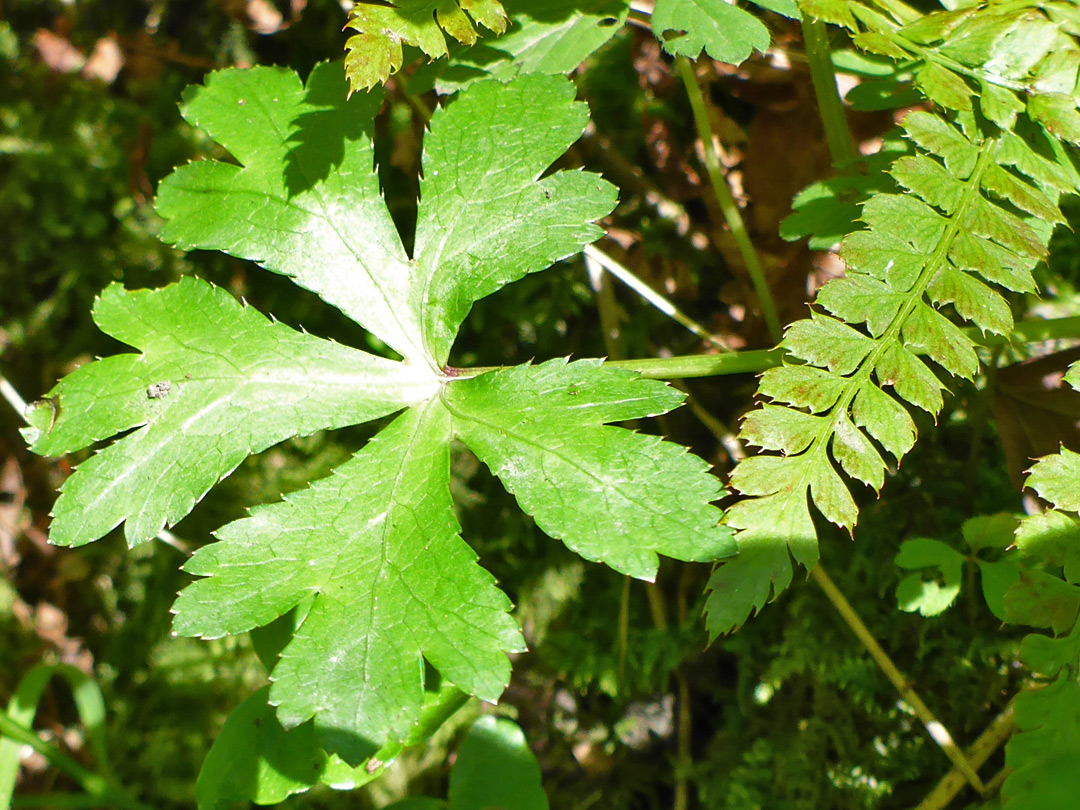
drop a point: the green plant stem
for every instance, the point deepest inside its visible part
(757, 360)
(702, 365)
(934, 727)
(725, 199)
(831, 108)
(108, 794)
(677, 368)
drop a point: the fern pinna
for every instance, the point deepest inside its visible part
(974, 201)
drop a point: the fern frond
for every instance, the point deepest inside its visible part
(978, 203)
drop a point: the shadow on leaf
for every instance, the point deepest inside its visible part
(318, 144)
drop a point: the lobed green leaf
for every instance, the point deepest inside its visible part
(216, 381)
(393, 585)
(611, 495)
(553, 38)
(723, 31)
(304, 201)
(485, 216)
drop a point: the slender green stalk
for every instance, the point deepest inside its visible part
(938, 732)
(676, 368)
(757, 360)
(725, 199)
(831, 108)
(702, 365)
(108, 795)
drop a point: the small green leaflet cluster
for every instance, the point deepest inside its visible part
(371, 553)
(938, 569)
(1046, 594)
(374, 52)
(1030, 573)
(975, 201)
(542, 36)
(1044, 753)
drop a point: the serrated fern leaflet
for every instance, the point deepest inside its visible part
(979, 205)
(372, 553)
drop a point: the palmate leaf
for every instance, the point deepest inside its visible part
(978, 207)
(374, 52)
(370, 556)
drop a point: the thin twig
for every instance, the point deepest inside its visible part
(938, 732)
(989, 741)
(8, 392)
(627, 277)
